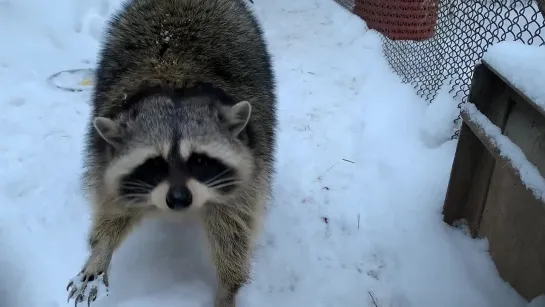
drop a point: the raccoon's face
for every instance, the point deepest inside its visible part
(176, 154)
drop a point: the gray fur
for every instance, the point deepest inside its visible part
(175, 72)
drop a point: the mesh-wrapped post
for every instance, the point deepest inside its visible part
(399, 19)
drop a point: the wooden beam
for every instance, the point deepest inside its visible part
(472, 166)
(492, 147)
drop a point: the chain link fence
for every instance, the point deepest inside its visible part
(463, 32)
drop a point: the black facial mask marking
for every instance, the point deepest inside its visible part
(144, 178)
(210, 171)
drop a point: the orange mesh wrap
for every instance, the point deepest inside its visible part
(399, 19)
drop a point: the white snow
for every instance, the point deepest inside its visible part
(438, 123)
(529, 174)
(356, 216)
(522, 65)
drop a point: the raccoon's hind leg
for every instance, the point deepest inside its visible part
(107, 233)
(229, 234)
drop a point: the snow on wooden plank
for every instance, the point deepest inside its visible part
(505, 149)
(522, 65)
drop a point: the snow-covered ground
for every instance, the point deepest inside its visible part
(363, 166)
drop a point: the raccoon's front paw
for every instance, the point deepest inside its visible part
(87, 286)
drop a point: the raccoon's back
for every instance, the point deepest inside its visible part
(217, 41)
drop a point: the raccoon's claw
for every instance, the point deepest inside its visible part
(87, 287)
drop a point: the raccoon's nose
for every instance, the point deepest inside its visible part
(179, 198)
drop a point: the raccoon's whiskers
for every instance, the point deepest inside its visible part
(131, 196)
(218, 176)
(129, 199)
(137, 189)
(221, 181)
(137, 183)
(226, 184)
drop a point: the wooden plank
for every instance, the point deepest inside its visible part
(541, 5)
(477, 195)
(487, 142)
(513, 225)
(472, 165)
(520, 95)
(529, 133)
(486, 189)
(483, 173)
(468, 152)
(514, 218)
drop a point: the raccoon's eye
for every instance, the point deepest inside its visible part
(145, 177)
(201, 161)
(206, 169)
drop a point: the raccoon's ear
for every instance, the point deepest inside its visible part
(238, 117)
(109, 130)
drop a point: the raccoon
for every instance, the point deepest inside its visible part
(183, 122)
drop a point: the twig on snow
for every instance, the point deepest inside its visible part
(373, 299)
